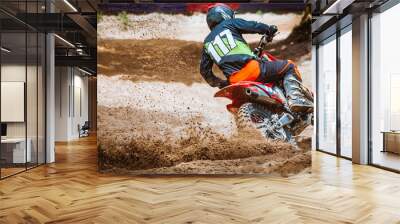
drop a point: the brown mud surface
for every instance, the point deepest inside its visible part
(183, 27)
(171, 60)
(151, 60)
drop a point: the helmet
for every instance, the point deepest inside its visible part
(218, 13)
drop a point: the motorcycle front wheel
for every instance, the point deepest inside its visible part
(253, 116)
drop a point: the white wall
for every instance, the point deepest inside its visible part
(80, 110)
(62, 82)
(70, 109)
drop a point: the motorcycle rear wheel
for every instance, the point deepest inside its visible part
(253, 116)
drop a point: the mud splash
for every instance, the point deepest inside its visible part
(194, 149)
(181, 129)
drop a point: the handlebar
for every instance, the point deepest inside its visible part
(264, 40)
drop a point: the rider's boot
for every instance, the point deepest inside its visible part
(297, 101)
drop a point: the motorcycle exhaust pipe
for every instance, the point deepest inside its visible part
(254, 96)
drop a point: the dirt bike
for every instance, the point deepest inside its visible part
(264, 107)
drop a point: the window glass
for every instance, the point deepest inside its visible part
(15, 150)
(31, 97)
(385, 84)
(327, 96)
(22, 89)
(346, 92)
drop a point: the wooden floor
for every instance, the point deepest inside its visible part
(72, 191)
(5, 172)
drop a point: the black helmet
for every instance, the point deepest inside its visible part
(218, 13)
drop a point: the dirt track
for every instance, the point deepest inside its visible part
(156, 115)
(136, 139)
(151, 60)
(183, 27)
(174, 60)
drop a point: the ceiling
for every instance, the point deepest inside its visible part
(74, 22)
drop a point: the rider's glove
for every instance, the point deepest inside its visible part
(223, 84)
(272, 30)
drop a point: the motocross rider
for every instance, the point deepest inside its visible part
(226, 47)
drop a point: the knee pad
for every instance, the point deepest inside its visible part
(292, 68)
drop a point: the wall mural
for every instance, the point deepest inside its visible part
(175, 97)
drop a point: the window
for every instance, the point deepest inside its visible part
(385, 89)
(346, 74)
(327, 96)
(22, 77)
